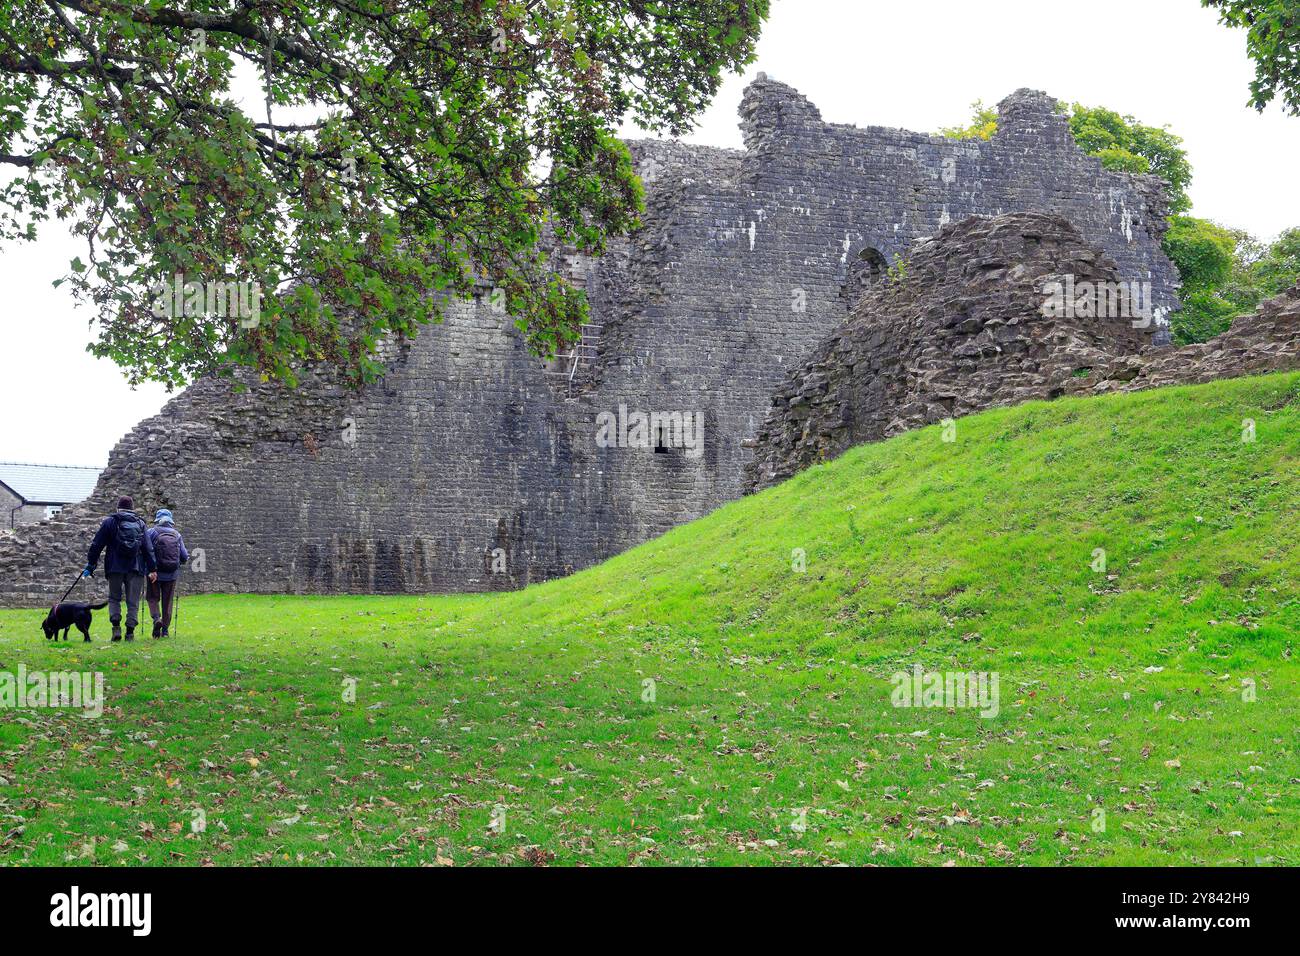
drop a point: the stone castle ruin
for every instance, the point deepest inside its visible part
(475, 466)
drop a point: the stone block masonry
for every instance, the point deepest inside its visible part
(474, 466)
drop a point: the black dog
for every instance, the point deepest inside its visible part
(63, 617)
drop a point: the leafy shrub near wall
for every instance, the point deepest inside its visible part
(1225, 273)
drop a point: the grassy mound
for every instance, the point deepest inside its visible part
(703, 700)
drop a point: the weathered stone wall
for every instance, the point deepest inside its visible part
(972, 326)
(474, 465)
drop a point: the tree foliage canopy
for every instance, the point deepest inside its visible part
(396, 148)
(1278, 267)
(1273, 42)
(983, 124)
(1122, 143)
(1203, 251)
(1225, 273)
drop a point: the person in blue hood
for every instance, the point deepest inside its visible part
(169, 551)
(128, 557)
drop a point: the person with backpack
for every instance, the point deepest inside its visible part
(169, 551)
(128, 557)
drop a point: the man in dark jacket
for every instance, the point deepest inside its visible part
(128, 557)
(170, 552)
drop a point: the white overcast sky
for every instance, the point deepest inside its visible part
(913, 65)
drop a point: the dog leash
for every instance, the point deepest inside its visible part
(67, 592)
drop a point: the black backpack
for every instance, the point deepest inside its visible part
(167, 549)
(128, 535)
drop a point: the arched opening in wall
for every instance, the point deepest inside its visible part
(874, 263)
(869, 267)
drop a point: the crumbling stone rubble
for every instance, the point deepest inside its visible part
(975, 321)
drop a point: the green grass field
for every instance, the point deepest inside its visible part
(1149, 714)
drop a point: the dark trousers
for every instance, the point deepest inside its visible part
(160, 593)
(129, 585)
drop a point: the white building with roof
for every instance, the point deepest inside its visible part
(31, 493)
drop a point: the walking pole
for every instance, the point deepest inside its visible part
(176, 607)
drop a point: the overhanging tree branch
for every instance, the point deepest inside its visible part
(412, 170)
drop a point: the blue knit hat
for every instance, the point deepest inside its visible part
(162, 517)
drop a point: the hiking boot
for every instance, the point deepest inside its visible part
(157, 629)
(117, 631)
(130, 634)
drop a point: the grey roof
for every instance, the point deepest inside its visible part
(49, 484)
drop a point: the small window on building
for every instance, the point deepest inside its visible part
(52, 510)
